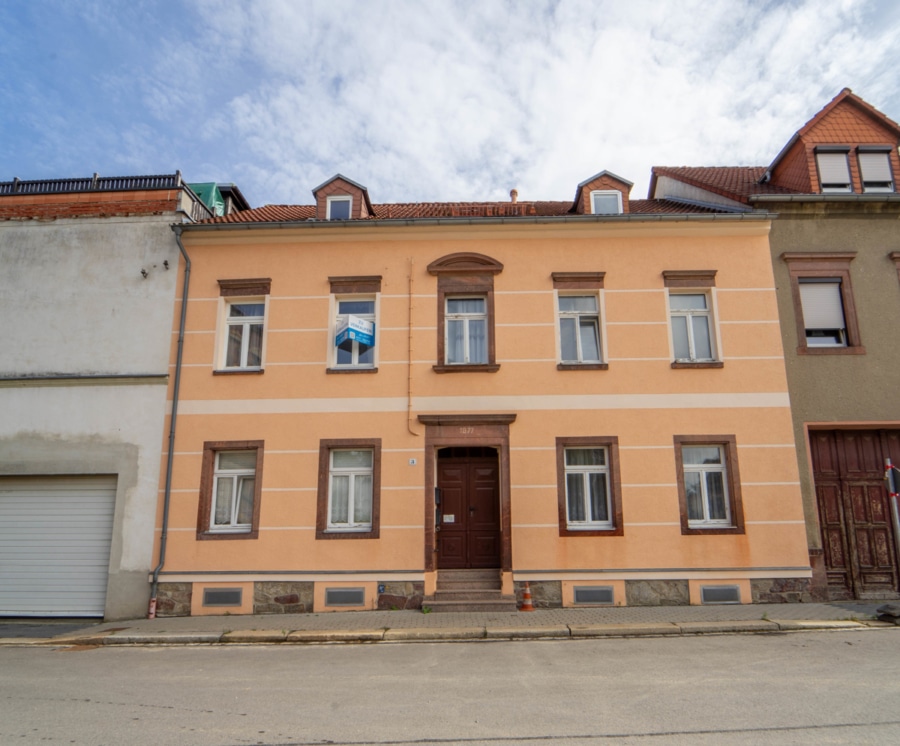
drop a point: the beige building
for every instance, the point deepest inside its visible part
(391, 405)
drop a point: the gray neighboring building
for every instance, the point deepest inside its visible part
(87, 289)
(836, 259)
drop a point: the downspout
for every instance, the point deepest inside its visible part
(164, 534)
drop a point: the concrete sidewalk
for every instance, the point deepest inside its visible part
(409, 626)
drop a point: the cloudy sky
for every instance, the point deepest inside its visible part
(425, 100)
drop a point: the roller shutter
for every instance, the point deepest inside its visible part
(55, 536)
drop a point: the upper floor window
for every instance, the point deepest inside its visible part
(823, 311)
(465, 312)
(606, 202)
(353, 338)
(834, 169)
(875, 169)
(579, 329)
(339, 208)
(691, 317)
(824, 308)
(243, 324)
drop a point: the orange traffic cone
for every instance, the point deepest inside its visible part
(526, 599)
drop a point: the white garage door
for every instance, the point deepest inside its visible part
(55, 535)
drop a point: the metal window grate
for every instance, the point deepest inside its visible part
(345, 596)
(594, 594)
(223, 596)
(720, 594)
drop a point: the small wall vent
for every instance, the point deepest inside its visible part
(223, 596)
(720, 594)
(345, 596)
(594, 594)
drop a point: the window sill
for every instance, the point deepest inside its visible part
(678, 365)
(856, 350)
(582, 366)
(711, 530)
(335, 533)
(217, 535)
(566, 531)
(332, 371)
(238, 371)
(477, 368)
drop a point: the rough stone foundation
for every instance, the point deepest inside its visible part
(401, 595)
(282, 597)
(545, 594)
(782, 591)
(657, 593)
(174, 599)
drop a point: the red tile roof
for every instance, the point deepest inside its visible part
(734, 182)
(426, 210)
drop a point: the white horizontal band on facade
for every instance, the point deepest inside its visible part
(775, 523)
(284, 331)
(755, 323)
(691, 574)
(325, 576)
(770, 484)
(637, 323)
(652, 524)
(443, 404)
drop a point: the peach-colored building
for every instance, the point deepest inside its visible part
(391, 405)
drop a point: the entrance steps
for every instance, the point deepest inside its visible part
(470, 590)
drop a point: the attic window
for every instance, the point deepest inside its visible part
(339, 208)
(875, 169)
(834, 171)
(607, 202)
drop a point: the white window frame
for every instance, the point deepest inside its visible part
(466, 318)
(338, 318)
(339, 198)
(585, 471)
(606, 193)
(577, 316)
(827, 161)
(825, 309)
(227, 322)
(237, 477)
(352, 473)
(703, 470)
(690, 314)
(880, 161)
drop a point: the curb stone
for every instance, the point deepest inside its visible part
(754, 625)
(638, 629)
(802, 624)
(337, 635)
(438, 633)
(512, 633)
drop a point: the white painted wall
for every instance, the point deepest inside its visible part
(74, 303)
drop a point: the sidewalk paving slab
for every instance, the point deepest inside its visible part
(435, 633)
(336, 635)
(512, 633)
(151, 638)
(706, 628)
(623, 630)
(255, 635)
(802, 624)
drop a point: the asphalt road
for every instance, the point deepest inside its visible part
(798, 688)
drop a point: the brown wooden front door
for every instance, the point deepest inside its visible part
(855, 511)
(468, 481)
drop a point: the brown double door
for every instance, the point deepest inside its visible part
(855, 511)
(468, 517)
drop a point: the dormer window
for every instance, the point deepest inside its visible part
(834, 170)
(339, 208)
(606, 202)
(875, 168)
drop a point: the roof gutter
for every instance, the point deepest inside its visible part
(164, 533)
(877, 197)
(538, 220)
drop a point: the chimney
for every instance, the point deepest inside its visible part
(514, 195)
